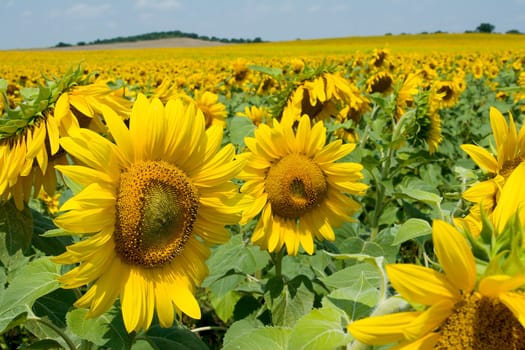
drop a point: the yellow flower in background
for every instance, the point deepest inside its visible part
(459, 313)
(322, 97)
(214, 111)
(27, 158)
(256, 114)
(445, 94)
(298, 188)
(407, 91)
(152, 203)
(381, 82)
(510, 152)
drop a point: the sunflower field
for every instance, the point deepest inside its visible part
(353, 193)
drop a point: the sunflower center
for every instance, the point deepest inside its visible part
(382, 84)
(156, 207)
(509, 166)
(307, 108)
(295, 185)
(481, 323)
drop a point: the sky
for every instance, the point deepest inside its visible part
(37, 23)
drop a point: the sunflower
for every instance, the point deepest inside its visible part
(27, 156)
(213, 110)
(445, 93)
(510, 152)
(460, 314)
(407, 91)
(297, 187)
(256, 114)
(322, 97)
(152, 203)
(381, 82)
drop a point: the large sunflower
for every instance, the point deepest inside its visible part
(297, 186)
(460, 315)
(322, 97)
(153, 201)
(510, 152)
(29, 133)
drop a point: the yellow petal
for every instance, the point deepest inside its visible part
(421, 285)
(455, 256)
(423, 343)
(493, 286)
(481, 191)
(511, 198)
(429, 320)
(499, 128)
(516, 303)
(379, 330)
(120, 132)
(481, 157)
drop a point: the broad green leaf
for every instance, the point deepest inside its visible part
(47, 243)
(31, 282)
(357, 299)
(225, 304)
(240, 328)
(91, 329)
(240, 127)
(45, 344)
(352, 275)
(43, 328)
(18, 226)
(175, 338)
(250, 334)
(117, 336)
(55, 306)
(3, 85)
(287, 309)
(420, 195)
(271, 71)
(321, 329)
(411, 229)
(237, 256)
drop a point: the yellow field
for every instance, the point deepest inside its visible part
(117, 62)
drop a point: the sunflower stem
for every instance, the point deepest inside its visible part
(278, 262)
(57, 330)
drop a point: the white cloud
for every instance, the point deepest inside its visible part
(157, 4)
(85, 10)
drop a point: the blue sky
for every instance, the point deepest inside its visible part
(37, 23)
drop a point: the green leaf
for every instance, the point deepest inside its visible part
(31, 282)
(91, 329)
(234, 256)
(411, 229)
(55, 306)
(117, 335)
(3, 85)
(41, 327)
(18, 225)
(352, 275)
(250, 334)
(240, 127)
(287, 309)
(225, 304)
(357, 299)
(420, 195)
(276, 73)
(175, 338)
(45, 344)
(49, 244)
(319, 330)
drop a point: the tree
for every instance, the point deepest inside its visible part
(485, 28)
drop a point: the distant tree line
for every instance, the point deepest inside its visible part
(163, 35)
